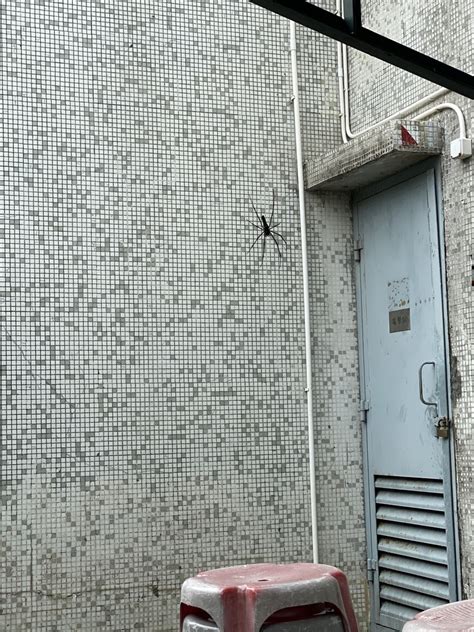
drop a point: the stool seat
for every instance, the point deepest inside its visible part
(452, 617)
(323, 623)
(244, 598)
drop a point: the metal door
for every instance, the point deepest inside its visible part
(404, 401)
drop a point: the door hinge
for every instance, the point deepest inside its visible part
(363, 409)
(371, 568)
(358, 246)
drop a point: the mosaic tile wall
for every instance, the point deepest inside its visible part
(443, 29)
(337, 425)
(152, 367)
(446, 30)
(458, 203)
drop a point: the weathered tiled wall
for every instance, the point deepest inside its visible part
(338, 450)
(152, 367)
(335, 368)
(458, 205)
(444, 29)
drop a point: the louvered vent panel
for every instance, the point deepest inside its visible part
(412, 546)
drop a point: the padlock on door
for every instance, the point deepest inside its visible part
(442, 428)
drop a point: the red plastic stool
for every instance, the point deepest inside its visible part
(245, 598)
(453, 617)
(323, 623)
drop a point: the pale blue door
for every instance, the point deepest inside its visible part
(404, 400)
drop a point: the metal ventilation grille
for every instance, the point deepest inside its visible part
(412, 546)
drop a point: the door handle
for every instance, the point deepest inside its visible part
(420, 384)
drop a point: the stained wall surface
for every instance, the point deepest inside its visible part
(153, 406)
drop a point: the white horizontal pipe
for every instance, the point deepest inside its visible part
(343, 81)
(440, 108)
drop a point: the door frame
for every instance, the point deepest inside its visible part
(432, 164)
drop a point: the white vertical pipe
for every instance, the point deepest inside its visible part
(342, 88)
(307, 322)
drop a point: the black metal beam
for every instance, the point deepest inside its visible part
(371, 43)
(352, 15)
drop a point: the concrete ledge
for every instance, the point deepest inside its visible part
(373, 156)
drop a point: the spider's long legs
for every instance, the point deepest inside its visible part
(281, 237)
(267, 230)
(273, 207)
(263, 249)
(255, 211)
(255, 241)
(259, 227)
(276, 243)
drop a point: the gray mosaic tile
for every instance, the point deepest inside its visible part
(153, 366)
